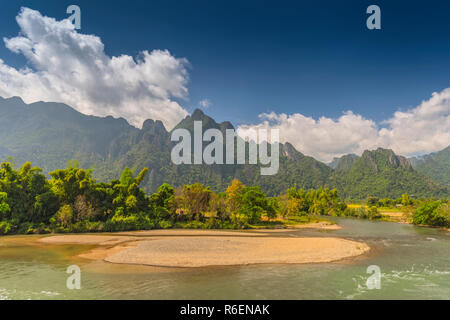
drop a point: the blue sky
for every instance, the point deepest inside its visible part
(251, 57)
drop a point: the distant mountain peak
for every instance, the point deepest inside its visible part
(382, 173)
(197, 114)
(207, 122)
(385, 157)
(290, 152)
(152, 125)
(13, 100)
(226, 125)
(343, 163)
(435, 165)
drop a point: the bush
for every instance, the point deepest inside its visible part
(373, 214)
(161, 213)
(214, 223)
(5, 227)
(121, 223)
(432, 213)
(87, 226)
(63, 218)
(4, 207)
(165, 224)
(32, 228)
(194, 224)
(43, 229)
(27, 228)
(372, 201)
(361, 213)
(349, 212)
(127, 223)
(240, 221)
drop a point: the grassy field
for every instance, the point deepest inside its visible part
(388, 213)
(388, 209)
(280, 222)
(380, 209)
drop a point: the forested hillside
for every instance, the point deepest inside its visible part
(435, 165)
(382, 173)
(51, 134)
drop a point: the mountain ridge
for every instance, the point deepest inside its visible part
(436, 165)
(49, 134)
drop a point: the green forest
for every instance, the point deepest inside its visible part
(71, 200)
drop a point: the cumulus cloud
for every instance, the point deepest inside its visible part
(73, 68)
(205, 103)
(423, 129)
(67, 66)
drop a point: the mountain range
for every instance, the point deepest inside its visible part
(436, 165)
(381, 173)
(50, 134)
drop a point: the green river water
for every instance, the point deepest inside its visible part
(414, 263)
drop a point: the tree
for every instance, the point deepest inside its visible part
(163, 196)
(126, 178)
(128, 197)
(282, 207)
(373, 214)
(253, 204)
(297, 202)
(272, 208)
(372, 201)
(4, 207)
(161, 201)
(296, 206)
(406, 200)
(71, 182)
(83, 209)
(234, 196)
(45, 206)
(432, 213)
(196, 198)
(29, 194)
(63, 218)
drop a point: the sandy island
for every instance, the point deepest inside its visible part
(201, 248)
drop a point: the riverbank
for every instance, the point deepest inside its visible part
(414, 262)
(202, 248)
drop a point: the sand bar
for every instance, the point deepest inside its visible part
(195, 248)
(316, 225)
(97, 239)
(225, 251)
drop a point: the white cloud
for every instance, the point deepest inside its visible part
(205, 103)
(72, 68)
(423, 129)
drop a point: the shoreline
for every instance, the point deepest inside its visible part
(204, 248)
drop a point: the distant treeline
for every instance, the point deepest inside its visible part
(72, 201)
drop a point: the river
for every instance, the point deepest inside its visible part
(414, 264)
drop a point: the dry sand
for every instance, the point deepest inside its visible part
(317, 225)
(223, 251)
(98, 239)
(200, 248)
(190, 232)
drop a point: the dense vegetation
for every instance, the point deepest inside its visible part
(435, 166)
(430, 212)
(72, 201)
(383, 174)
